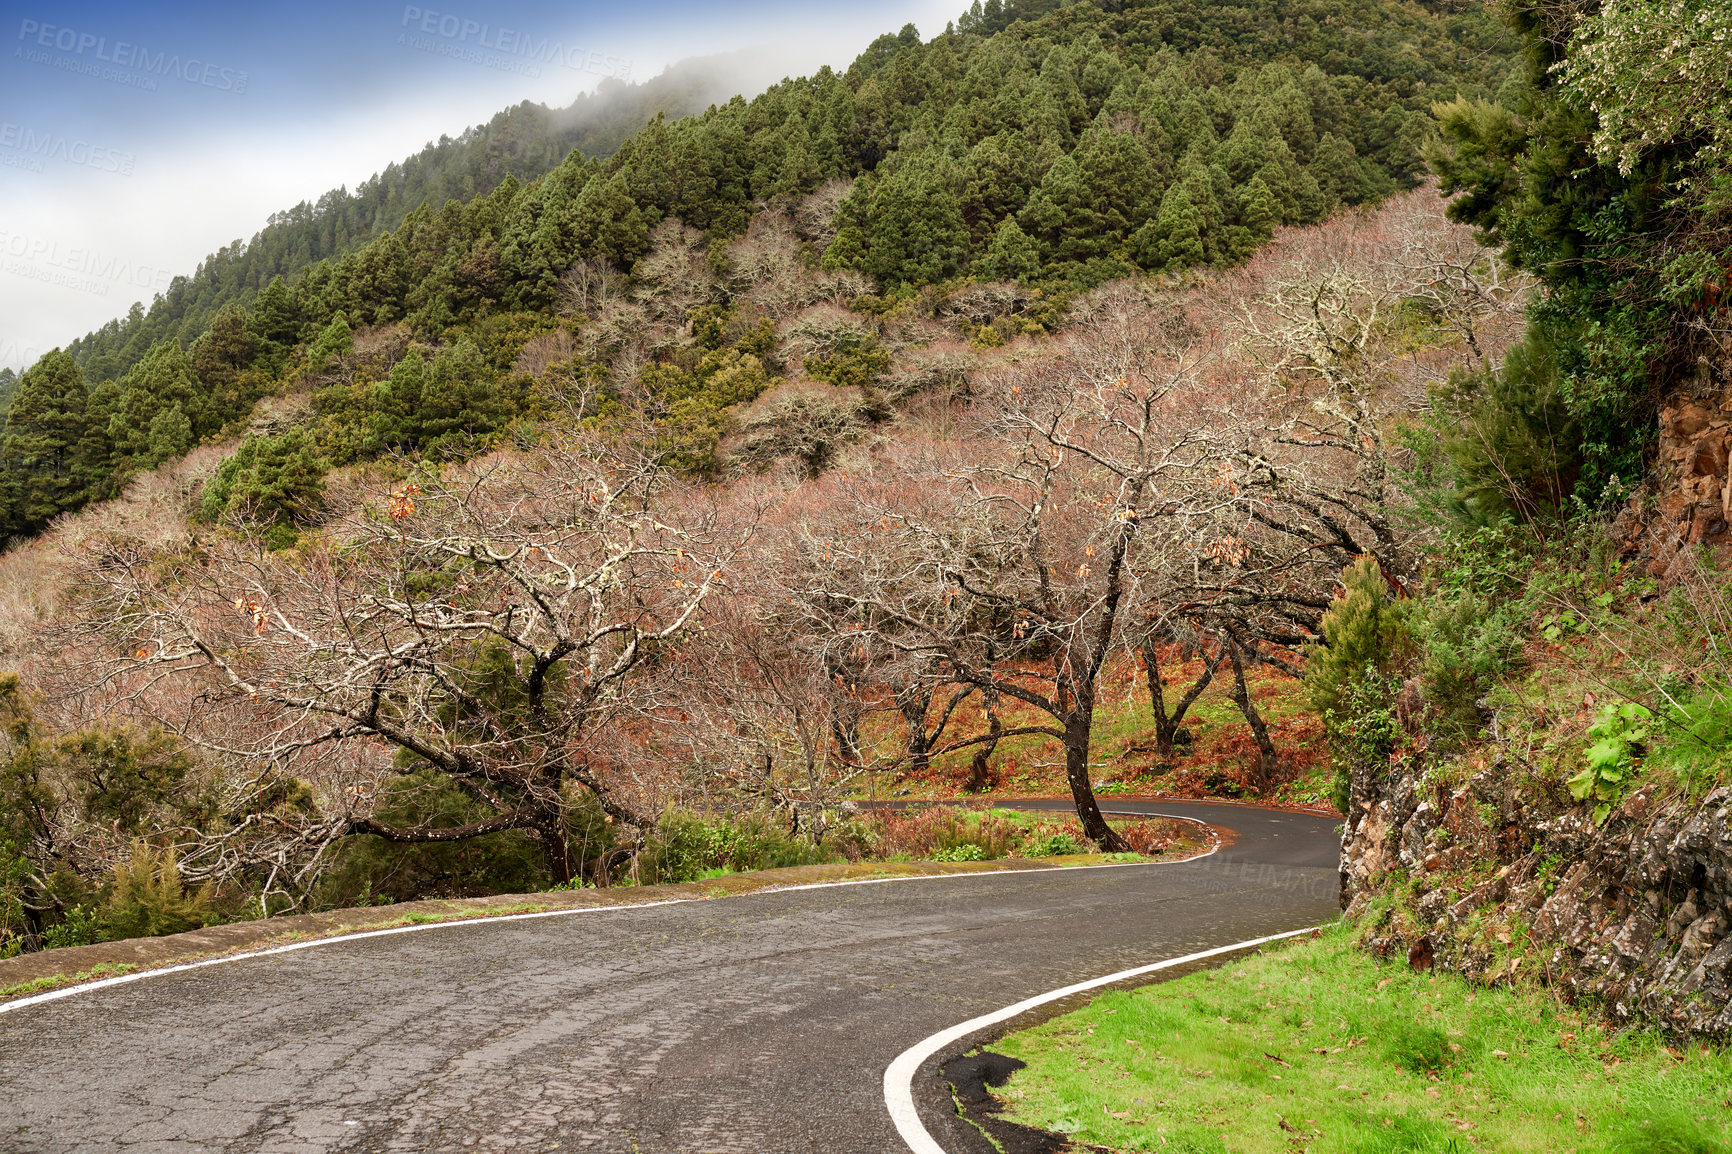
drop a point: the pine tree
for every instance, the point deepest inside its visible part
(459, 400)
(46, 456)
(1258, 211)
(914, 225)
(397, 402)
(1071, 227)
(1175, 241)
(1000, 174)
(1013, 255)
(1340, 178)
(170, 436)
(1120, 183)
(336, 342)
(163, 380)
(847, 250)
(277, 480)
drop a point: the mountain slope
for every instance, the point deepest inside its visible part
(1060, 152)
(522, 143)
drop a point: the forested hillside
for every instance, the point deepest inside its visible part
(1057, 153)
(522, 142)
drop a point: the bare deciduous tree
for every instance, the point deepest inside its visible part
(481, 625)
(1009, 574)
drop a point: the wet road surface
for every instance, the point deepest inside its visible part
(758, 1024)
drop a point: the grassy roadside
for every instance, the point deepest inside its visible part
(1316, 1046)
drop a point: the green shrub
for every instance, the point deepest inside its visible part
(1466, 640)
(1354, 675)
(1512, 437)
(967, 851)
(81, 926)
(147, 897)
(857, 368)
(694, 405)
(1697, 745)
(685, 848)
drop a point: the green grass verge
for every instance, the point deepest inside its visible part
(53, 981)
(1315, 1046)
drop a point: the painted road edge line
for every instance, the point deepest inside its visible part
(899, 1075)
(160, 971)
(140, 975)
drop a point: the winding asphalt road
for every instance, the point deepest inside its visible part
(760, 1024)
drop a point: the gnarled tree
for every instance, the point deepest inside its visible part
(1010, 573)
(485, 625)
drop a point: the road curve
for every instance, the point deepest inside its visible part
(757, 1024)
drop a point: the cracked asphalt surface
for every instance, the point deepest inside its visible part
(757, 1024)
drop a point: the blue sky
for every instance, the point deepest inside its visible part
(136, 139)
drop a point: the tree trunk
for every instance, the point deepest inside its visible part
(1242, 698)
(556, 852)
(601, 870)
(980, 775)
(1077, 733)
(1167, 725)
(914, 701)
(845, 728)
(845, 715)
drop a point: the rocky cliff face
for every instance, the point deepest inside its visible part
(1503, 877)
(1690, 501)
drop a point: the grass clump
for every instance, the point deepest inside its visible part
(54, 981)
(686, 847)
(1317, 1046)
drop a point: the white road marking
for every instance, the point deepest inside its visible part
(140, 975)
(899, 1076)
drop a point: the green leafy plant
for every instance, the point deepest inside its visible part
(1554, 627)
(80, 928)
(1615, 743)
(1056, 845)
(967, 851)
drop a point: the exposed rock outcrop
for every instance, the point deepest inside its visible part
(1504, 876)
(1689, 502)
